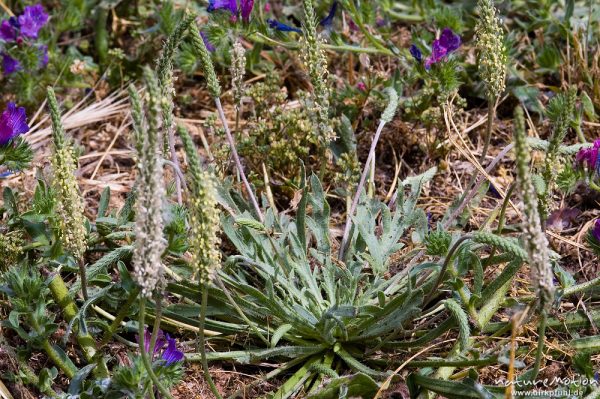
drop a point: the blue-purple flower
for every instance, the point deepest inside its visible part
(381, 22)
(595, 232)
(327, 22)
(230, 5)
(43, 55)
(590, 157)
(416, 53)
(246, 7)
(449, 40)
(13, 122)
(32, 20)
(170, 354)
(446, 44)
(9, 29)
(10, 65)
(209, 46)
(280, 26)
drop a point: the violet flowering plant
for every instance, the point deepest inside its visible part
(327, 22)
(15, 153)
(441, 48)
(281, 27)
(165, 349)
(18, 41)
(243, 8)
(587, 164)
(588, 158)
(594, 237)
(13, 122)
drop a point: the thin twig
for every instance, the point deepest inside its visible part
(363, 178)
(236, 158)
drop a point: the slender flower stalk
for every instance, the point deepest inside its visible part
(386, 117)
(204, 240)
(535, 240)
(70, 226)
(315, 61)
(69, 205)
(145, 357)
(492, 61)
(165, 79)
(150, 244)
(149, 241)
(204, 214)
(214, 89)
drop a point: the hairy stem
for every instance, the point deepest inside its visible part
(156, 326)
(363, 178)
(147, 363)
(489, 128)
(207, 376)
(83, 278)
(61, 296)
(57, 360)
(53, 354)
(176, 165)
(236, 158)
(540, 345)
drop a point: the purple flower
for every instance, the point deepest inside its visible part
(274, 24)
(13, 122)
(230, 5)
(327, 22)
(246, 7)
(447, 43)
(352, 25)
(361, 86)
(32, 20)
(8, 32)
(43, 55)
(438, 52)
(160, 341)
(209, 46)
(10, 65)
(381, 22)
(449, 40)
(589, 157)
(416, 53)
(171, 354)
(596, 231)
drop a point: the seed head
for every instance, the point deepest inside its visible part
(238, 70)
(204, 214)
(70, 220)
(492, 51)
(536, 242)
(149, 241)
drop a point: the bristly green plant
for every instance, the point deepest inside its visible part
(561, 112)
